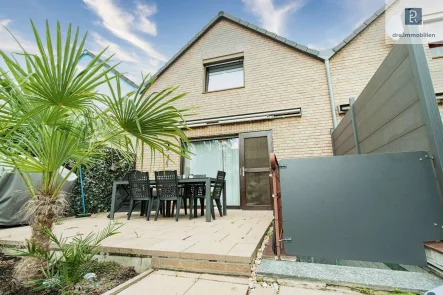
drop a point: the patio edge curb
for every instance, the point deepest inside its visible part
(129, 283)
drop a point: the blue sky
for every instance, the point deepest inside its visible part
(144, 34)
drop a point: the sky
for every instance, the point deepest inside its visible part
(144, 34)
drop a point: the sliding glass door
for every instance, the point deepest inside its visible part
(209, 156)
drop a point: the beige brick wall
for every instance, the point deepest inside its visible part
(276, 77)
(355, 64)
(436, 69)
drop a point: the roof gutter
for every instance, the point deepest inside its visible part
(331, 93)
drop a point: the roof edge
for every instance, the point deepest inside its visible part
(222, 15)
(360, 29)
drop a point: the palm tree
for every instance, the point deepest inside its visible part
(51, 114)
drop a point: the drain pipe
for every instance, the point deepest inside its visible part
(331, 93)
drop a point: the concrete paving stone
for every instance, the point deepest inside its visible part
(379, 279)
(170, 248)
(301, 284)
(203, 287)
(263, 291)
(227, 279)
(156, 284)
(212, 237)
(300, 291)
(241, 252)
(181, 274)
(136, 246)
(173, 235)
(208, 250)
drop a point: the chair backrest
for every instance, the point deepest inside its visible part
(218, 186)
(139, 187)
(166, 184)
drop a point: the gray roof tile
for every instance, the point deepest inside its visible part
(313, 51)
(280, 38)
(270, 34)
(254, 27)
(349, 38)
(242, 22)
(339, 46)
(261, 30)
(371, 19)
(301, 47)
(291, 43)
(380, 10)
(360, 28)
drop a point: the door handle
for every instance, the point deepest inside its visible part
(243, 171)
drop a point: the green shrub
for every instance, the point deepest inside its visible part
(75, 258)
(97, 183)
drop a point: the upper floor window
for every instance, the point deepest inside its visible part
(436, 49)
(224, 75)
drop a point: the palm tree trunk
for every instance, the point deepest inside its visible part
(44, 214)
(43, 210)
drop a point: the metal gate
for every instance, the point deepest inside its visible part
(375, 207)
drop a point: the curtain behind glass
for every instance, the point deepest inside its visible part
(209, 156)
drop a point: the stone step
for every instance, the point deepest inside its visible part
(377, 279)
(202, 266)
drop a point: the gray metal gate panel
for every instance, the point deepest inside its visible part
(376, 207)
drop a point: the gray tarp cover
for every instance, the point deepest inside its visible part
(14, 194)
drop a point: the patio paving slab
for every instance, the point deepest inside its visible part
(164, 282)
(380, 279)
(230, 240)
(186, 283)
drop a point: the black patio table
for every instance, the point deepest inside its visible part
(203, 180)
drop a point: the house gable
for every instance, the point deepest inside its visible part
(224, 16)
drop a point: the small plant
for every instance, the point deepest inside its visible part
(74, 260)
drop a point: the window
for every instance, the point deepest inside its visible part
(224, 75)
(436, 49)
(209, 156)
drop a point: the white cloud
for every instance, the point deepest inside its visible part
(360, 9)
(324, 44)
(143, 12)
(119, 53)
(272, 18)
(122, 24)
(7, 42)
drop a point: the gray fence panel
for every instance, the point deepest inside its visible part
(391, 109)
(415, 140)
(377, 207)
(406, 122)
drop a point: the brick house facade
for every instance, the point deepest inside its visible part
(278, 75)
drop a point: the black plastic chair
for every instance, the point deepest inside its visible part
(189, 191)
(139, 190)
(167, 189)
(216, 195)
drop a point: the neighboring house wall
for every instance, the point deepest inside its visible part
(388, 113)
(276, 77)
(354, 65)
(436, 70)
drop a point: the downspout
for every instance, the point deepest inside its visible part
(331, 94)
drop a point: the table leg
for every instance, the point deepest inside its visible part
(114, 195)
(224, 198)
(208, 201)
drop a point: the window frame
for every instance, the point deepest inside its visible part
(214, 64)
(436, 45)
